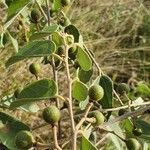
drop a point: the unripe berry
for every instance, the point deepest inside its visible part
(72, 52)
(35, 15)
(34, 68)
(122, 88)
(96, 92)
(65, 2)
(132, 144)
(51, 115)
(24, 140)
(99, 117)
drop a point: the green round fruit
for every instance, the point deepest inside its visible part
(132, 144)
(137, 131)
(65, 2)
(72, 53)
(34, 68)
(122, 88)
(35, 15)
(99, 117)
(24, 140)
(96, 92)
(51, 115)
(122, 112)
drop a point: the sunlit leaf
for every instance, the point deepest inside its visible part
(36, 91)
(33, 49)
(79, 90)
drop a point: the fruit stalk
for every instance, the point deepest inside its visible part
(55, 138)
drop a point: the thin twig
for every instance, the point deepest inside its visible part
(101, 140)
(55, 138)
(100, 72)
(130, 114)
(42, 11)
(118, 97)
(105, 110)
(83, 119)
(69, 82)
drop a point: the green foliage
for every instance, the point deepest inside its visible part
(86, 144)
(85, 76)
(10, 126)
(46, 89)
(33, 49)
(106, 83)
(79, 90)
(83, 59)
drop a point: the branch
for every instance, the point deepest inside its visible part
(83, 119)
(55, 138)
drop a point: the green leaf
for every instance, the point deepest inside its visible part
(14, 42)
(85, 76)
(71, 29)
(36, 91)
(127, 125)
(107, 85)
(14, 10)
(79, 90)
(56, 5)
(9, 126)
(39, 35)
(33, 49)
(31, 107)
(143, 89)
(15, 7)
(44, 33)
(58, 39)
(51, 28)
(145, 127)
(116, 141)
(86, 144)
(83, 59)
(83, 104)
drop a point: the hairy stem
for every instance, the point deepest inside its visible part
(55, 138)
(53, 64)
(69, 82)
